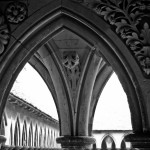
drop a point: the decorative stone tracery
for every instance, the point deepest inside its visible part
(71, 62)
(16, 12)
(130, 19)
(4, 34)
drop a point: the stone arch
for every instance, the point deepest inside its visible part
(71, 17)
(17, 133)
(123, 144)
(43, 72)
(108, 142)
(102, 78)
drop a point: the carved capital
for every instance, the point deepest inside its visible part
(76, 142)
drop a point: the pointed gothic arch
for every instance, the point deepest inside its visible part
(17, 133)
(41, 137)
(45, 135)
(30, 137)
(70, 17)
(48, 139)
(36, 144)
(108, 142)
(24, 134)
(123, 144)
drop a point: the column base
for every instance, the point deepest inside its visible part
(139, 141)
(76, 142)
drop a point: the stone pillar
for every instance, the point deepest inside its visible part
(139, 141)
(76, 142)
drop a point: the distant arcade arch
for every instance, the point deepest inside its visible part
(40, 137)
(30, 139)
(123, 144)
(17, 133)
(24, 134)
(108, 143)
(45, 137)
(51, 138)
(48, 139)
(36, 136)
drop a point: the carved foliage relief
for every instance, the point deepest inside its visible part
(71, 63)
(131, 21)
(4, 34)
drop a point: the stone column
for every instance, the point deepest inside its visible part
(139, 141)
(76, 142)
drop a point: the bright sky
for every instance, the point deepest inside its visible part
(112, 111)
(30, 86)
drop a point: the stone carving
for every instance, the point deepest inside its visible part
(71, 62)
(16, 12)
(131, 21)
(4, 34)
(70, 59)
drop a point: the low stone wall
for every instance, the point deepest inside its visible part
(6, 147)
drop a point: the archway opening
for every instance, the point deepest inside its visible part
(44, 53)
(69, 56)
(31, 101)
(112, 114)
